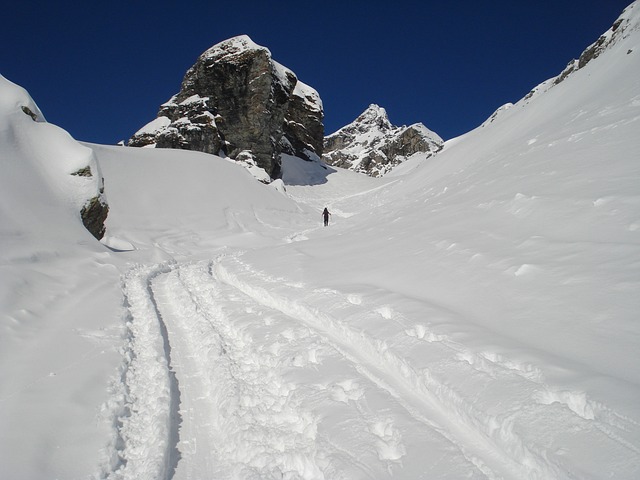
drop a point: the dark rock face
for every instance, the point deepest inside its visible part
(303, 128)
(95, 210)
(94, 214)
(28, 111)
(372, 145)
(236, 98)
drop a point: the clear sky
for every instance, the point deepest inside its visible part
(101, 69)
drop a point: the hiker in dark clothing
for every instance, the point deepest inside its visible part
(325, 215)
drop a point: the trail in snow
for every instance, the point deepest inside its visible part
(277, 380)
(393, 373)
(234, 373)
(145, 408)
(502, 440)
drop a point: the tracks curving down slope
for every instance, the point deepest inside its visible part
(232, 373)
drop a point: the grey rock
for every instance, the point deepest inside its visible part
(96, 209)
(234, 99)
(28, 111)
(94, 214)
(303, 127)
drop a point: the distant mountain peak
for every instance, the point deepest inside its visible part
(375, 115)
(371, 144)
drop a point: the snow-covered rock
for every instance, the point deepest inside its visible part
(235, 99)
(69, 171)
(372, 145)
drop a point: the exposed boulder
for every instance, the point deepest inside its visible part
(372, 145)
(235, 99)
(95, 210)
(94, 215)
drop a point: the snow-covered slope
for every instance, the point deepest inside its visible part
(58, 288)
(469, 316)
(371, 145)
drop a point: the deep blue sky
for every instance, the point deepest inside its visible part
(100, 70)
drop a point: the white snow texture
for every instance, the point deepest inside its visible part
(469, 315)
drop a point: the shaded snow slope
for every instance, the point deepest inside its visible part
(470, 315)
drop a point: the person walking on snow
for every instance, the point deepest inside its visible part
(325, 215)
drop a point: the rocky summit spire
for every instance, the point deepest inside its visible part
(237, 100)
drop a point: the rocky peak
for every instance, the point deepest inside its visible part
(232, 48)
(372, 145)
(373, 117)
(236, 99)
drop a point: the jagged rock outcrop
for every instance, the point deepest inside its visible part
(303, 128)
(372, 145)
(235, 99)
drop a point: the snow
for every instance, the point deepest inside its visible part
(469, 315)
(426, 132)
(233, 47)
(194, 99)
(155, 126)
(309, 95)
(283, 75)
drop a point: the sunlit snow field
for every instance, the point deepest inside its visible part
(470, 315)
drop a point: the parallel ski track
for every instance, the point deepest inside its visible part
(169, 307)
(146, 409)
(412, 390)
(491, 443)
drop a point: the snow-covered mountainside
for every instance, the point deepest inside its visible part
(237, 101)
(471, 316)
(372, 145)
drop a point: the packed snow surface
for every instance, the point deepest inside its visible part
(471, 315)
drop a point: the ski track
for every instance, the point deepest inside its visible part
(492, 441)
(215, 386)
(145, 406)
